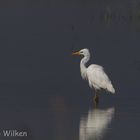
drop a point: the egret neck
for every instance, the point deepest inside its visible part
(83, 66)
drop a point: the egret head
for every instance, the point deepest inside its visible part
(83, 52)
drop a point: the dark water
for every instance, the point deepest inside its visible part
(41, 90)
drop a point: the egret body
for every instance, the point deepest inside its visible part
(95, 74)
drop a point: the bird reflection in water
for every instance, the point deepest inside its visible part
(95, 123)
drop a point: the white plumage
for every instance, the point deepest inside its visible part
(95, 74)
(97, 78)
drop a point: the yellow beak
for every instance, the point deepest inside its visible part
(76, 53)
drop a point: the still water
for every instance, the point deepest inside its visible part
(73, 117)
(95, 123)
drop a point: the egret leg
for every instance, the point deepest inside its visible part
(96, 98)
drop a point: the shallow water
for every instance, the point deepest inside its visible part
(59, 116)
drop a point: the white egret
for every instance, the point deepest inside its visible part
(95, 74)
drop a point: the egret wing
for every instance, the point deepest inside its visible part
(98, 78)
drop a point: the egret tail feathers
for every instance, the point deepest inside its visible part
(110, 88)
